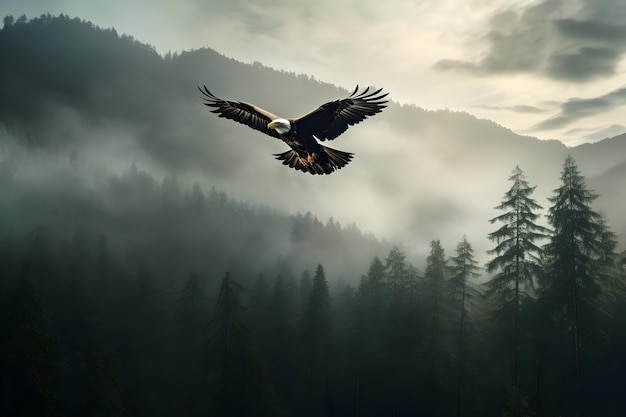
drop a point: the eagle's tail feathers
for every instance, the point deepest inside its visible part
(331, 161)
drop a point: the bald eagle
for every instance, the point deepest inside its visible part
(327, 122)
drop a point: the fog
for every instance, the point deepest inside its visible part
(404, 185)
(156, 260)
(436, 177)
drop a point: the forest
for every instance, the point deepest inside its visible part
(151, 320)
(136, 291)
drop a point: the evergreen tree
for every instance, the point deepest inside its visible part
(396, 270)
(29, 373)
(190, 317)
(607, 266)
(372, 287)
(281, 335)
(373, 298)
(8, 21)
(399, 330)
(367, 344)
(344, 378)
(437, 318)
(304, 290)
(240, 380)
(144, 341)
(229, 337)
(197, 200)
(517, 261)
(257, 307)
(191, 307)
(435, 277)
(317, 342)
(104, 392)
(463, 269)
(572, 292)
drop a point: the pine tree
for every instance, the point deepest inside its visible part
(317, 341)
(29, 372)
(8, 21)
(372, 285)
(517, 261)
(607, 266)
(399, 330)
(197, 200)
(579, 246)
(191, 307)
(435, 276)
(240, 379)
(281, 335)
(144, 341)
(104, 392)
(463, 269)
(396, 270)
(437, 309)
(372, 298)
(229, 338)
(191, 313)
(304, 290)
(367, 342)
(257, 307)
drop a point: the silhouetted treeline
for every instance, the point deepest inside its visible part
(139, 314)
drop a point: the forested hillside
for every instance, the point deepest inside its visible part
(72, 87)
(162, 302)
(156, 260)
(145, 221)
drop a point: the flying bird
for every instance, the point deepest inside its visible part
(303, 134)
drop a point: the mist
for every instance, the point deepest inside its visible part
(157, 260)
(417, 175)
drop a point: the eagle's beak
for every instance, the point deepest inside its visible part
(271, 125)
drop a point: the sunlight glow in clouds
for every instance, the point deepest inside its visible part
(495, 59)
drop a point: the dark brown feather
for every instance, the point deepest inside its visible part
(239, 111)
(333, 118)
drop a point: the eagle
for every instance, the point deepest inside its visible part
(303, 134)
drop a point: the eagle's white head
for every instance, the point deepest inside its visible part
(282, 126)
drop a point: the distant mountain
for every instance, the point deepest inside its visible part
(600, 157)
(106, 99)
(610, 186)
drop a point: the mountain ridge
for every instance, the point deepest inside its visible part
(116, 97)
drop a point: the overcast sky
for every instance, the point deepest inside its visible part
(554, 69)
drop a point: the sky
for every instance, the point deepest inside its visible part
(552, 69)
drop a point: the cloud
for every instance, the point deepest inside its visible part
(519, 108)
(597, 134)
(591, 30)
(576, 108)
(584, 64)
(551, 39)
(421, 52)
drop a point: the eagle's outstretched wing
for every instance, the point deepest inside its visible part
(244, 113)
(333, 118)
